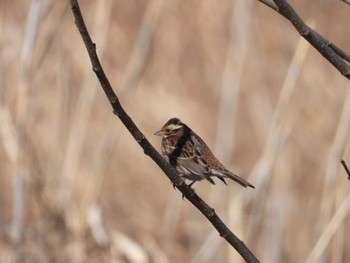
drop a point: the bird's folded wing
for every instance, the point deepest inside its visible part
(191, 159)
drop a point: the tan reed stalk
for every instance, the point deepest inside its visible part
(210, 246)
(156, 253)
(239, 43)
(171, 219)
(8, 134)
(329, 231)
(75, 218)
(339, 241)
(22, 173)
(333, 195)
(226, 120)
(261, 174)
(142, 48)
(124, 247)
(94, 182)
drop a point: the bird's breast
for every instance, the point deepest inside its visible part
(168, 146)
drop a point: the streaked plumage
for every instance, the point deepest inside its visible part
(192, 157)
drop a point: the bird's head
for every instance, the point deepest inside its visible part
(172, 127)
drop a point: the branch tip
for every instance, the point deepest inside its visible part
(336, 56)
(346, 168)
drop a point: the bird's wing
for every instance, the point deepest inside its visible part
(190, 158)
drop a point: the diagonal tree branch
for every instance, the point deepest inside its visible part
(330, 51)
(148, 149)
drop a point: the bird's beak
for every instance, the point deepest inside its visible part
(159, 133)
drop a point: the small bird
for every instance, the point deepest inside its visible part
(192, 158)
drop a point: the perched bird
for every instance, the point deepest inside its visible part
(193, 159)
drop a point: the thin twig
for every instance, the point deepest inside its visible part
(339, 52)
(270, 4)
(346, 168)
(332, 53)
(148, 149)
(346, 2)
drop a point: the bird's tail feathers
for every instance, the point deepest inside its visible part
(237, 179)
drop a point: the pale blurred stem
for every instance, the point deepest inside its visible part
(336, 56)
(142, 47)
(330, 197)
(337, 150)
(19, 183)
(329, 231)
(149, 149)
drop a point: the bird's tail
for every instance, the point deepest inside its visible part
(237, 179)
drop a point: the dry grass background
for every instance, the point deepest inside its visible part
(75, 187)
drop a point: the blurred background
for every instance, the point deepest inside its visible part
(76, 187)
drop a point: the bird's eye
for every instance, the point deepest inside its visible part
(167, 130)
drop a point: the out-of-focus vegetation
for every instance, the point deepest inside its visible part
(76, 187)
